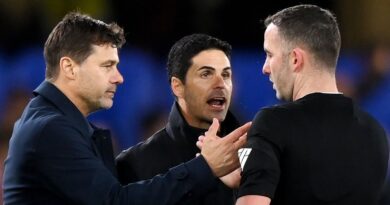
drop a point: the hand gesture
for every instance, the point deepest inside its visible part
(221, 154)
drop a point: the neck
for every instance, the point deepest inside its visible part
(314, 81)
(67, 90)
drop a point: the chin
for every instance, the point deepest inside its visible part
(107, 105)
(279, 96)
(220, 117)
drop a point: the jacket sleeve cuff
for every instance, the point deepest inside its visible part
(199, 176)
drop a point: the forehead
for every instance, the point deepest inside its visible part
(272, 37)
(212, 58)
(104, 52)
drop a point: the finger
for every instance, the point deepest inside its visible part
(213, 129)
(240, 142)
(201, 138)
(199, 144)
(237, 133)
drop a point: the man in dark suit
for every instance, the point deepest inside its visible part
(200, 75)
(57, 157)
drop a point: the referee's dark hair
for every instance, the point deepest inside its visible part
(312, 27)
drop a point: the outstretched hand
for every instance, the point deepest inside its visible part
(221, 154)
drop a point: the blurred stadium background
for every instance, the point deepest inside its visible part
(143, 102)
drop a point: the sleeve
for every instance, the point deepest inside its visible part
(69, 169)
(124, 166)
(260, 159)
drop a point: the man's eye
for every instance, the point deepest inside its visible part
(205, 74)
(107, 66)
(226, 75)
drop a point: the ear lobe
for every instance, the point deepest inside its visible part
(68, 67)
(177, 87)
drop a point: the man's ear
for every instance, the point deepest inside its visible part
(177, 87)
(297, 59)
(68, 67)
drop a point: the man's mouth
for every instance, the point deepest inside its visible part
(111, 93)
(217, 102)
(273, 84)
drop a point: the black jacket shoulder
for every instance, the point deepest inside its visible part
(144, 156)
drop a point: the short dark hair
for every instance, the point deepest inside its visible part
(182, 52)
(74, 35)
(310, 26)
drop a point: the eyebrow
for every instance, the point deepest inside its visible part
(110, 62)
(212, 68)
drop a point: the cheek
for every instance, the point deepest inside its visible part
(271, 66)
(198, 88)
(229, 87)
(194, 102)
(96, 88)
(277, 68)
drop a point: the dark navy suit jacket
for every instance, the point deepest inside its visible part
(57, 157)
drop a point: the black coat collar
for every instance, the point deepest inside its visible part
(179, 130)
(100, 138)
(55, 96)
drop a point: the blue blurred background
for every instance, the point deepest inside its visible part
(143, 102)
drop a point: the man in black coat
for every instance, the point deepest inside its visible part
(200, 75)
(319, 147)
(57, 157)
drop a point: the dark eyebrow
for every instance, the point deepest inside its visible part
(211, 68)
(110, 62)
(206, 68)
(227, 68)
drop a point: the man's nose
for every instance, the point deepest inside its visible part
(117, 78)
(266, 70)
(219, 81)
